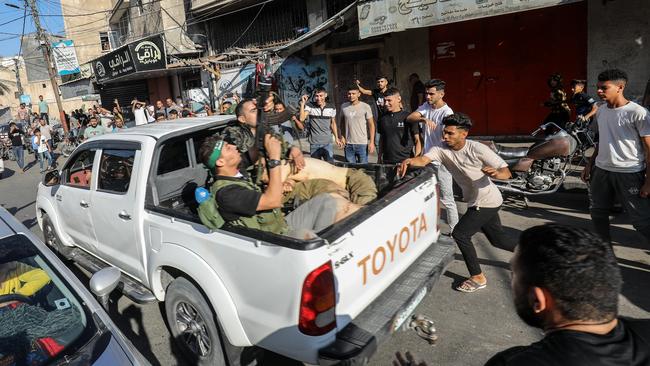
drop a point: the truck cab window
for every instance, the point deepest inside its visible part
(115, 169)
(173, 157)
(80, 169)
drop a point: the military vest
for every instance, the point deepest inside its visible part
(271, 220)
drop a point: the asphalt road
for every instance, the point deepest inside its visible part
(471, 327)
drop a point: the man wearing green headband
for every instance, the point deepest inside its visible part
(239, 202)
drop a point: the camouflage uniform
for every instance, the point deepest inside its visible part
(241, 136)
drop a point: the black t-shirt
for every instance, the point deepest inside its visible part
(15, 137)
(583, 103)
(418, 88)
(396, 137)
(235, 201)
(379, 101)
(627, 344)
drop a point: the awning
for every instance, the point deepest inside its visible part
(321, 31)
(149, 74)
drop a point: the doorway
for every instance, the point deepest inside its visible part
(362, 65)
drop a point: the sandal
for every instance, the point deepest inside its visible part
(469, 285)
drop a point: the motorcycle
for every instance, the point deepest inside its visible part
(540, 168)
(585, 136)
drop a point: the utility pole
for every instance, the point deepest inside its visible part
(19, 85)
(47, 55)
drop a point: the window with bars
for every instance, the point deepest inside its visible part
(279, 21)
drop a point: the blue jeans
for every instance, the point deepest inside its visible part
(322, 151)
(42, 156)
(356, 153)
(20, 157)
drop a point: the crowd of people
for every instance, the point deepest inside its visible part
(565, 280)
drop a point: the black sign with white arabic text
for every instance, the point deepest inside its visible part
(143, 55)
(149, 53)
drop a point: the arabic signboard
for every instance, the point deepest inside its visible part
(65, 58)
(386, 16)
(149, 54)
(143, 55)
(115, 64)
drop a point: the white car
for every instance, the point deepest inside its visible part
(46, 314)
(127, 200)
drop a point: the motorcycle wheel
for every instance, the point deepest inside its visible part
(10, 155)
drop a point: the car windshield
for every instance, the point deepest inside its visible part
(41, 318)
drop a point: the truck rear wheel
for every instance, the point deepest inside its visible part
(192, 323)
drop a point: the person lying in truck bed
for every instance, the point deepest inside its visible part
(236, 201)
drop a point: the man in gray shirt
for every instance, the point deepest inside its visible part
(356, 123)
(320, 126)
(621, 157)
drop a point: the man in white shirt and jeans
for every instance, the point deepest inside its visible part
(429, 115)
(621, 157)
(471, 163)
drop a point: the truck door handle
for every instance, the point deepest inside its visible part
(84, 204)
(123, 215)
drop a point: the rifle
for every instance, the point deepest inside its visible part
(266, 120)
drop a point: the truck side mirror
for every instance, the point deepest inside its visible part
(103, 282)
(51, 178)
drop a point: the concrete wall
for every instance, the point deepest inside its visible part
(172, 18)
(406, 53)
(84, 30)
(619, 37)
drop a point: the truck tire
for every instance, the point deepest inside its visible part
(52, 239)
(193, 324)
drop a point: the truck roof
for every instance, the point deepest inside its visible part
(161, 129)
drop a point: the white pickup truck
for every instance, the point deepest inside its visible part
(127, 200)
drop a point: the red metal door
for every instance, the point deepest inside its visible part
(510, 57)
(458, 58)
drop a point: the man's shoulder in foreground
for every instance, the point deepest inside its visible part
(627, 344)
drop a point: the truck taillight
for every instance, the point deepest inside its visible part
(438, 207)
(318, 302)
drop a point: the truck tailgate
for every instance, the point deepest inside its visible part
(371, 256)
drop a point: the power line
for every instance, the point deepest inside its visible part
(13, 20)
(249, 26)
(175, 27)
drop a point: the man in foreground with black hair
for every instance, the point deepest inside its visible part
(566, 281)
(471, 164)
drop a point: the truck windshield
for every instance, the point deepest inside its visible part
(41, 318)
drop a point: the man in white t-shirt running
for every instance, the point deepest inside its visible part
(621, 157)
(429, 115)
(471, 163)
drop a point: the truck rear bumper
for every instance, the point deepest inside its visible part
(358, 341)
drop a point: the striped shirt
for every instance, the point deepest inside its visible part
(319, 127)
